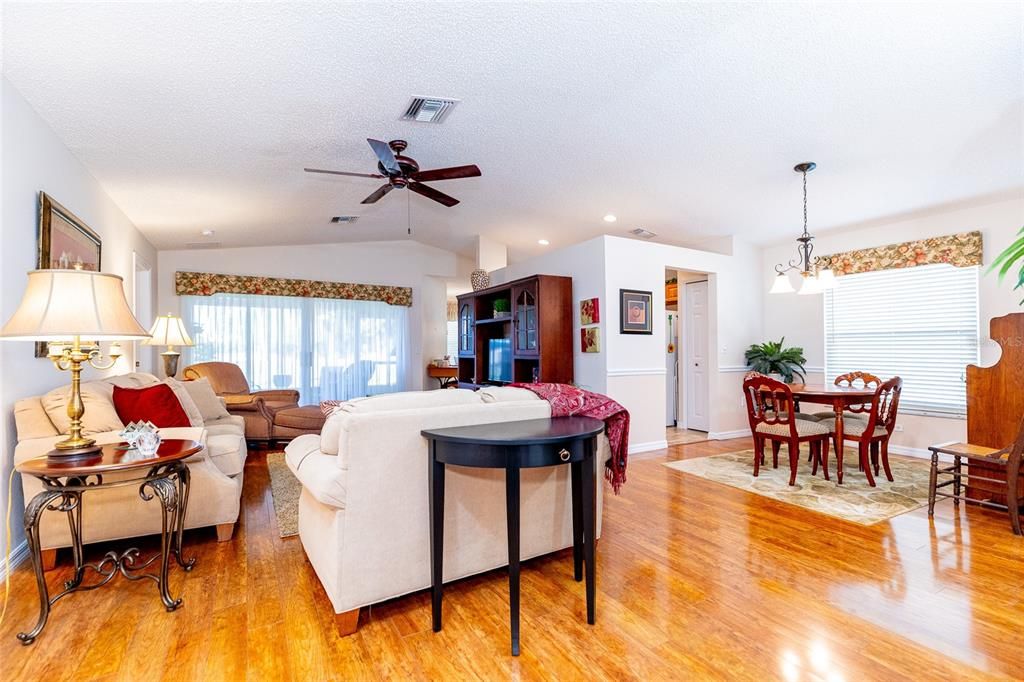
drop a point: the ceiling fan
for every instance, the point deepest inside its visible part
(403, 171)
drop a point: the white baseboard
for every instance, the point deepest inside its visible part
(19, 554)
(726, 435)
(923, 453)
(637, 448)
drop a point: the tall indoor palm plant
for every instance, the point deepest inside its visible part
(1013, 255)
(771, 358)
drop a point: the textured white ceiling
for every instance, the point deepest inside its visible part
(684, 119)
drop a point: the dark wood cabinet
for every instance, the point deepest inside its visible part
(517, 332)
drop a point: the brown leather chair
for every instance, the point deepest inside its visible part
(256, 407)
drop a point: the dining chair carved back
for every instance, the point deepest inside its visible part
(853, 380)
(1009, 460)
(872, 434)
(772, 416)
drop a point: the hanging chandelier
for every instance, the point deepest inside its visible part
(812, 279)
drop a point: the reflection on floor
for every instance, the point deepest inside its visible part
(677, 436)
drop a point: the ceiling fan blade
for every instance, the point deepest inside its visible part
(431, 193)
(447, 173)
(386, 156)
(373, 198)
(354, 175)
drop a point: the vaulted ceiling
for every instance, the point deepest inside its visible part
(685, 119)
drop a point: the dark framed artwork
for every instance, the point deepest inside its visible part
(635, 313)
(65, 243)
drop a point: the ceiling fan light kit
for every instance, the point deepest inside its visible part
(403, 172)
(815, 279)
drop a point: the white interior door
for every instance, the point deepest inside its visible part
(695, 355)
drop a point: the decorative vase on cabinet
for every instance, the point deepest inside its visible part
(479, 279)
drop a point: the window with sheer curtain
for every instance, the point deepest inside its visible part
(919, 323)
(328, 349)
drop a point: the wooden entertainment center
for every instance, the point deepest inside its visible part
(517, 332)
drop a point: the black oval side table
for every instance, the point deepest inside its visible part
(513, 446)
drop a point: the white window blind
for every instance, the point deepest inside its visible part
(452, 340)
(919, 323)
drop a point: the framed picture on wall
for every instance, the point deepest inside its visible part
(590, 311)
(590, 340)
(635, 313)
(64, 243)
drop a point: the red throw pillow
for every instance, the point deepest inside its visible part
(156, 404)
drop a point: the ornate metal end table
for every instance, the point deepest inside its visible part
(163, 475)
(513, 446)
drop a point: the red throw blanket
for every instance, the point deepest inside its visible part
(569, 401)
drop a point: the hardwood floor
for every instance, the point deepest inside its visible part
(695, 580)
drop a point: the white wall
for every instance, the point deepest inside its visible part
(34, 159)
(801, 318)
(399, 263)
(631, 368)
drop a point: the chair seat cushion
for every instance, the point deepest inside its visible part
(862, 416)
(804, 427)
(854, 427)
(304, 418)
(799, 415)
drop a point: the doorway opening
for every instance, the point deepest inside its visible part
(142, 306)
(687, 378)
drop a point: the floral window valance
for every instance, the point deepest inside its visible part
(962, 250)
(208, 284)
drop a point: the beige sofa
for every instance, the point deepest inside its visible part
(115, 513)
(363, 510)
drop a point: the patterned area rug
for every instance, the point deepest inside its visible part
(285, 488)
(853, 501)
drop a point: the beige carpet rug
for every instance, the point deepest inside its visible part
(854, 501)
(285, 489)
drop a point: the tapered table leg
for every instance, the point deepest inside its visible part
(436, 475)
(589, 522)
(839, 442)
(576, 469)
(512, 513)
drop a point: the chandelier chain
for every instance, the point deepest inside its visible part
(805, 202)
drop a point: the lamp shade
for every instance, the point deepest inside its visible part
(168, 330)
(827, 280)
(809, 286)
(781, 285)
(61, 304)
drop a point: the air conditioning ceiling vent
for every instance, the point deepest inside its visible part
(202, 245)
(642, 233)
(429, 109)
(347, 219)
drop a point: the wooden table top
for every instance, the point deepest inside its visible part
(525, 432)
(830, 391)
(113, 457)
(435, 371)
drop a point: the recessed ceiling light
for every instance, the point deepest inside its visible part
(543, 242)
(610, 218)
(208, 233)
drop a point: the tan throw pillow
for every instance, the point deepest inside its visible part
(195, 417)
(97, 397)
(211, 407)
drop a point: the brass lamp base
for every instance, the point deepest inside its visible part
(65, 453)
(170, 358)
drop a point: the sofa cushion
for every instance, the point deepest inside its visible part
(505, 394)
(132, 380)
(156, 404)
(99, 416)
(318, 473)
(231, 424)
(31, 421)
(227, 452)
(195, 418)
(210, 405)
(410, 400)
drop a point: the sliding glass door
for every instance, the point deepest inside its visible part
(329, 349)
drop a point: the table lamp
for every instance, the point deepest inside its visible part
(64, 307)
(169, 331)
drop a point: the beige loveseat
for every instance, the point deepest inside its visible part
(115, 513)
(363, 510)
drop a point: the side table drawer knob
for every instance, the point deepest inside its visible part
(564, 455)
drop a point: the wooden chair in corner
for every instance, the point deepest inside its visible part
(1008, 459)
(772, 415)
(872, 435)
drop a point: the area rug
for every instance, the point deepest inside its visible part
(854, 501)
(285, 489)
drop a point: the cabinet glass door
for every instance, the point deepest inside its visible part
(525, 298)
(466, 329)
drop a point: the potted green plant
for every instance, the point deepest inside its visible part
(1013, 255)
(502, 307)
(772, 359)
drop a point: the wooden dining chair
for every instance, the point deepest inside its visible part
(1007, 460)
(853, 380)
(872, 434)
(772, 416)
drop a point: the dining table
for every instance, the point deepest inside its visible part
(839, 398)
